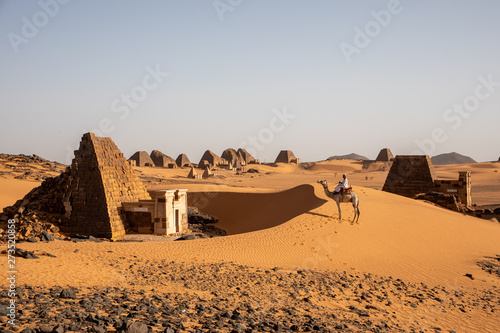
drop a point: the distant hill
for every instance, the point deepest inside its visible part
(352, 156)
(451, 158)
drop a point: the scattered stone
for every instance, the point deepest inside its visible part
(186, 237)
(136, 327)
(67, 293)
(47, 236)
(26, 254)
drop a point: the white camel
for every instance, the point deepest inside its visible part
(342, 198)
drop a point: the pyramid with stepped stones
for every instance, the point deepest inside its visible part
(142, 159)
(161, 160)
(385, 155)
(102, 180)
(410, 175)
(286, 156)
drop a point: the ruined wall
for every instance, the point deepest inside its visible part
(102, 179)
(410, 175)
(460, 187)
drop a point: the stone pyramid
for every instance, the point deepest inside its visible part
(285, 156)
(161, 160)
(102, 179)
(247, 158)
(232, 156)
(183, 161)
(385, 155)
(410, 175)
(142, 159)
(207, 173)
(193, 174)
(212, 158)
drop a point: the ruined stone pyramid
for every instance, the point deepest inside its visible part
(183, 161)
(212, 159)
(385, 155)
(193, 174)
(247, 158)
(142, 159)
(410, 175)
(102, 180)
(161, 160)
(232, 156)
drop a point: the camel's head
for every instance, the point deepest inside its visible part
(322, 182)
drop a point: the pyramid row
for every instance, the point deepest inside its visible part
(230, 157)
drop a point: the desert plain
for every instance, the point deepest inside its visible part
(287, 264)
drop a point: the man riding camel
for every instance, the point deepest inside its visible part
(344, 184)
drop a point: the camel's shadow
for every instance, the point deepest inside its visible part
(322, 215)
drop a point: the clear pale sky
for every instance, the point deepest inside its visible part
(352, 76)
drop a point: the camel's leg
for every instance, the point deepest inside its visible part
(340, 212)
(355, 204)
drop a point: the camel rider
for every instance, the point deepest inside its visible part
(344, 184)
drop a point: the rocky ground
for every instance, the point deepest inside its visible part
(30, 167)
(234, 298)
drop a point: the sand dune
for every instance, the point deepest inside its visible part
(14, 189)
(245, 212)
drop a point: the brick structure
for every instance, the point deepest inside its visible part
(161, 160)
(102, 180)
(142, 159)
(460, 187)
(410, 175)
(287, 156)
(183, 161)
(385, 155)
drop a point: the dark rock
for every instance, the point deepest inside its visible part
(136, 327)
(469, 276)
(187, 237)
(99, 329)
(32, 240)
(67, 293)
(47, 237)
(58, 329)
(26, 254)
(28, 330)
(197, 217)
(44, 329)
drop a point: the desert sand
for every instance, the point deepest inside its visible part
(404, 264)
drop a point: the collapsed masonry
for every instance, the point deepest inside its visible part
(413, 175)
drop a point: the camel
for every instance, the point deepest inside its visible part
(342, 198)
